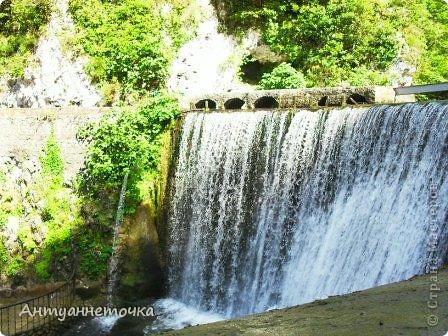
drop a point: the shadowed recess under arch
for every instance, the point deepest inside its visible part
(266, 102)
(206, 103)
(356, 99)
(234, 104)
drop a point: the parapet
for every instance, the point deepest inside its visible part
(295, 98)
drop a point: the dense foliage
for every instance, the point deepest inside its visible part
(130, 43)
(355, 41)
(21, 24)
(126, 140)
(284, 76)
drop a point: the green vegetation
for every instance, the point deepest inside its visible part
(26, 239)
(60, 215)
(3, 254)
(126, 140)
(21, 24)
(130, 43)
(348, 41)
(67, 233)
(52, 165)
(283, 76)
(15, 265)
(79, 225)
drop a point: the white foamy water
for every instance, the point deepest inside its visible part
(273, 209)
(105, 324)
(172, 314)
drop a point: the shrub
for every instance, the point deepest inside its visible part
(125, 140)
(21, 24)
(330, 40)
(284, 76)
(26, 239)
(130, 42)
(60, 214)
(94, 251)
(15, 265)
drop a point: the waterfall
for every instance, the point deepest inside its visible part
(273, 209)
(113, 262)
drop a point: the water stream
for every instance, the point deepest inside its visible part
(114, 259)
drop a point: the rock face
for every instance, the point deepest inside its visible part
(402, 72)
(211, 61)
(204, 64)
(55, 80)
(19, 209)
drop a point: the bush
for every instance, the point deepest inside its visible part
(21, 24)
(331, 40)
(283, 76)
(14, 266)
(125, 140)
(94, 251)
(130, 42)
(26, 239)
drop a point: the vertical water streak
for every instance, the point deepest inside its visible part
(114, 259)
(272, 209)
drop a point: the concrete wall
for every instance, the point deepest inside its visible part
(24, 132)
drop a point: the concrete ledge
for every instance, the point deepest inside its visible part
(295, 98)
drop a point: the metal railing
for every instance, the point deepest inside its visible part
(14, 323)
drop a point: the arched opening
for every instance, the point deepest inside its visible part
(234, 104)
(266, 102)
(356, 99)
(206, 104)
(323, 101)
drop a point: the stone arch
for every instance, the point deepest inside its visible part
(234, 104)
(266, 102)
(206, 103)
(356, 99)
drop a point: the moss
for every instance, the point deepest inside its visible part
(130, 280)
(142, 260)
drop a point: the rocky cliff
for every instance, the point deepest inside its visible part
(55, 77)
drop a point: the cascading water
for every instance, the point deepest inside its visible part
(113, 262)
(272, 209)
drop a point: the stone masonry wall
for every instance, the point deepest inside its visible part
(24, 133)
